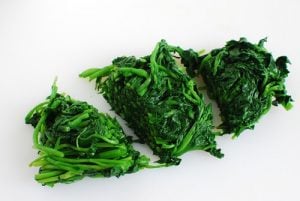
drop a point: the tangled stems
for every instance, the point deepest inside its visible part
(74, 140)
(159, 101)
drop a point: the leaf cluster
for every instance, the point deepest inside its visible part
(75, 140)
(244, 79)
(159, 101)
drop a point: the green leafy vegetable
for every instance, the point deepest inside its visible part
(159, 101)
(75, 140)
(244, 79)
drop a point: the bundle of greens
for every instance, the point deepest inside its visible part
(75, 140)
(159, 101)
(244, 79)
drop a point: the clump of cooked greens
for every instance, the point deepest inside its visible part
(159, 101)
(75, 140)
(244, 79)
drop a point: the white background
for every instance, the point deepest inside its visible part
(43, 39)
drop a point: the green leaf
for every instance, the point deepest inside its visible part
(161, 104)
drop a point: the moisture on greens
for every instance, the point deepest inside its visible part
(159, 101)
(74, 140)
(244, 79)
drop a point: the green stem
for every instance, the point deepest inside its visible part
(78, 120)
(115, 153)
(153, 63)
(48, 174)
(62, 146)
(64, 166)
(144, 87)
(94, 73)
(183, 147)
(35, 110)
(47, 150)
(98, 161)
(129, 71)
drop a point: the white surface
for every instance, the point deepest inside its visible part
(43, 39)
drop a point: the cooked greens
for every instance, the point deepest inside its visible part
(244, 79)
(75, 140)
(159, 101)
